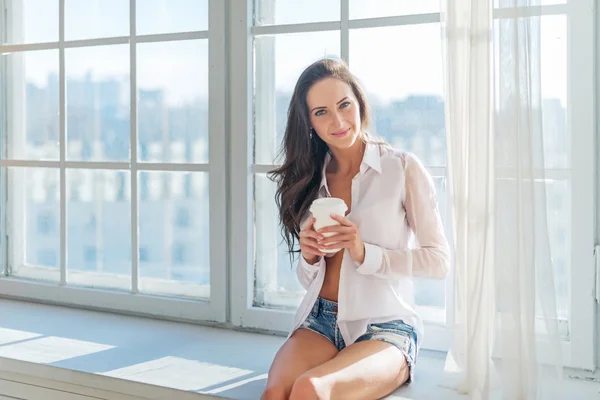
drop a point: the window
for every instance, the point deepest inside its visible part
(179, 254)
(404, 83)
(90, 256)
(144, 254)
(133, 154)
(47, 257)
(45, 224)
(113, 138)
(182, 218)
(407, 113)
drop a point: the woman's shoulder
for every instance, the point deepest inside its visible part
(397, 156)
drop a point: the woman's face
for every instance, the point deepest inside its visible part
(334, 112)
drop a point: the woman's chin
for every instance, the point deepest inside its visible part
(344, 143)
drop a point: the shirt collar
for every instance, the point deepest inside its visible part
(371, 159)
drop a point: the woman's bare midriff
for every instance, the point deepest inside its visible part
(331, 284)
(340, 187)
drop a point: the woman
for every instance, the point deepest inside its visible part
(356, 334)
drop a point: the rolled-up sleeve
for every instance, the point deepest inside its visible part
(431, 256)
(307, 272)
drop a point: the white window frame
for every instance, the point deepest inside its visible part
(215, 308)
(243, 312)
(231, 172)
(579, 348)
(581, 123)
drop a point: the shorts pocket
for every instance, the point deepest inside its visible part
(391, 326)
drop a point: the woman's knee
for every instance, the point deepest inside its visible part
(308, 388)
(275, 392)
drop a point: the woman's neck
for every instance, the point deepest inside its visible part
(347, 161)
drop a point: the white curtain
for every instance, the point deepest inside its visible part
(506, 341)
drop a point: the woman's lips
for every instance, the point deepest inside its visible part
(341, 134)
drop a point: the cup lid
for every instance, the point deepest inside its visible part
(329, 203)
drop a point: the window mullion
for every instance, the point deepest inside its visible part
(3, 135)
(133, 146)
(62, 141)
(344, 30)
(217, 98)
(449, 230)
(580, 120)
(264, 102)
(240, 225)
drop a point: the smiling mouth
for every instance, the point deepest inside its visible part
(341, 133)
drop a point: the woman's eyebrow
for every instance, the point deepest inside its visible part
(322, 107)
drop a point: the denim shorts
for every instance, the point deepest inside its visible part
(323, 320)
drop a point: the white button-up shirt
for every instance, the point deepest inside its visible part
(393, 201)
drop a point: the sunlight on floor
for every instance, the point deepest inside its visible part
(12, 335)
(236, 384)
(50, 349)
(179, 373)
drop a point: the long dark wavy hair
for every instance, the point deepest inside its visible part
(302, 153)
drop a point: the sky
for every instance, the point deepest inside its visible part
(392, 62)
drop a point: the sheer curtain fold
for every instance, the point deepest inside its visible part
(505, 300)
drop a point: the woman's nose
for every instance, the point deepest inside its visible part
(337, 120)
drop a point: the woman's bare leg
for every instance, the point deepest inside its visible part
(304, 350)
(362, 371)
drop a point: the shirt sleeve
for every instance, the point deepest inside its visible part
(307, 272)
(431, 256)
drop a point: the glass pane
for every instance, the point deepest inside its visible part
(173, 101)
(170, 16)
(32, 21)
(93, 19)
(275, 281)
(511, 3)
(558, 206)
(385, 8)
(35, 215)
(98, 103)
(558, 209)
(405, 97)
(279, 61)
(557, 139)
(281, 12)
(430, 294)
(174, 241)
(99, 228)
(33, 123)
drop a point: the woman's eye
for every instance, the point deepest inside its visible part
(345, 104)
(320, 112)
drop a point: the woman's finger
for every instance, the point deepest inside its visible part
(309, 241)
(311, 234)
(340, 229)
(312, 251)
(338, 245)
(310, 223)
(342, 220)
(335, 239)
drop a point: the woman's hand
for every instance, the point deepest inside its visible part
(347, 237)
(308, 242)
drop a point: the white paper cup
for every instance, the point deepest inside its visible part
(321, 209)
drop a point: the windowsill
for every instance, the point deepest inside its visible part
(92, 279)
(156, 359)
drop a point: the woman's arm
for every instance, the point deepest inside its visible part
(306, 271)
(431, 257)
